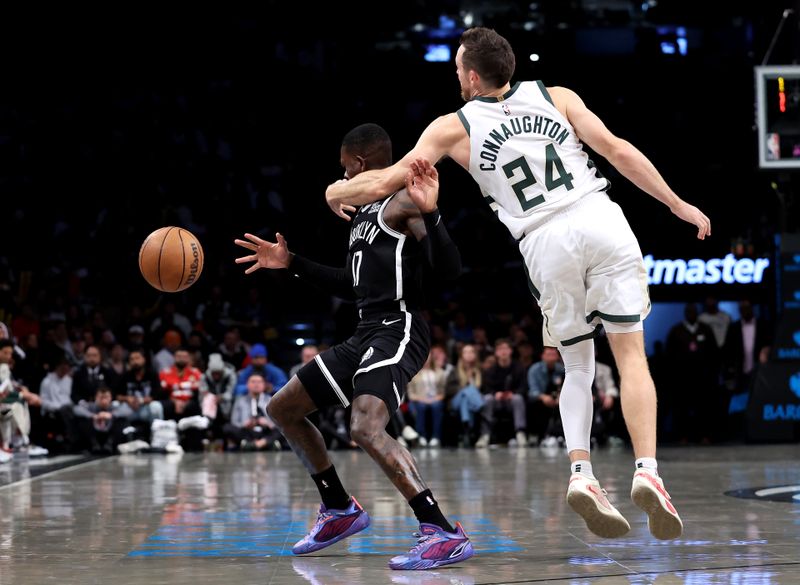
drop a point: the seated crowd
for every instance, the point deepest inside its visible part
(81, 390)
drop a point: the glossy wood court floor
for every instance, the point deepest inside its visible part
(232, 518)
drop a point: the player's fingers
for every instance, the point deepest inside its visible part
(281, 239)
(255, 239)
(245, 244)
(703, 224)
(342, 214)
(244, 259)
(349, 208)
(252, 269)
(433, 173)
(415, 168)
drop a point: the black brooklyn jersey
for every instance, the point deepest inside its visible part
(385, 265)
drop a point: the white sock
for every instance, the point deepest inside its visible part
(648, 464)
(583, 467)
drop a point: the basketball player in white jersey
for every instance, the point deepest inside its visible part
(523, 145)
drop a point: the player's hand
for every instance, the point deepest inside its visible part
(338, 207)
(422, 184)
(267, 254)
(690, 214)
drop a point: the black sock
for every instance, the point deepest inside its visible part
(331, 489)
(426, 509)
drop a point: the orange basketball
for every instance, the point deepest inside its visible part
(171, 259)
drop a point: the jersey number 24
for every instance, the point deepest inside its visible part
(552, 181)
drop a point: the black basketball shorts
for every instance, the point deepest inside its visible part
(383, 354)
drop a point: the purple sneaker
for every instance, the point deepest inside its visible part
(435, 548)
(332, 526)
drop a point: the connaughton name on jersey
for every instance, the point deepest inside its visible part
(519, 125)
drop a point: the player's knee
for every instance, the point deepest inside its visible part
(275, 412)
(363, 431)
(281, 411)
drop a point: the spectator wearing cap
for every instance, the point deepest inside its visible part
(219, 380)
(135, 338)
(274, 376)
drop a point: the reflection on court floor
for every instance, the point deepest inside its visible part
(232, 518)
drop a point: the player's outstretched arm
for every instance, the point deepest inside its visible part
(436, 141)
(335, 281)
(626, 158)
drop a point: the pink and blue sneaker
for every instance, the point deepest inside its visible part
(332, 526)
(435, 548)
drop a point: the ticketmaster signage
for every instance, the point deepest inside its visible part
(728, 270)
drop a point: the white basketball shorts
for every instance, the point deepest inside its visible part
(585, 268)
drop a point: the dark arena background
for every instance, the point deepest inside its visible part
(220, 121)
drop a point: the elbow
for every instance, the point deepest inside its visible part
(331, 192)
(622, 154)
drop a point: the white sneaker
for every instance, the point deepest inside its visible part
(549, 442)
(173, 447)
(423, 442)
(648, 493)
(193, 422)
(483, 442)
(132, 446)
(588, 499)
(409, 434)
(37, 451)
(5, 456)
(522, 440)
(435, 443)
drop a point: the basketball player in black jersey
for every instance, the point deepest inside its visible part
(390, 241)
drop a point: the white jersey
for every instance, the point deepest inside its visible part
(526, 158)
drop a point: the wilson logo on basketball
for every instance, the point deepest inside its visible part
(194, 266)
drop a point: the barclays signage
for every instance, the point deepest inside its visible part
(773, 410)
(785, 411)
(790, 353)
(728, 270)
